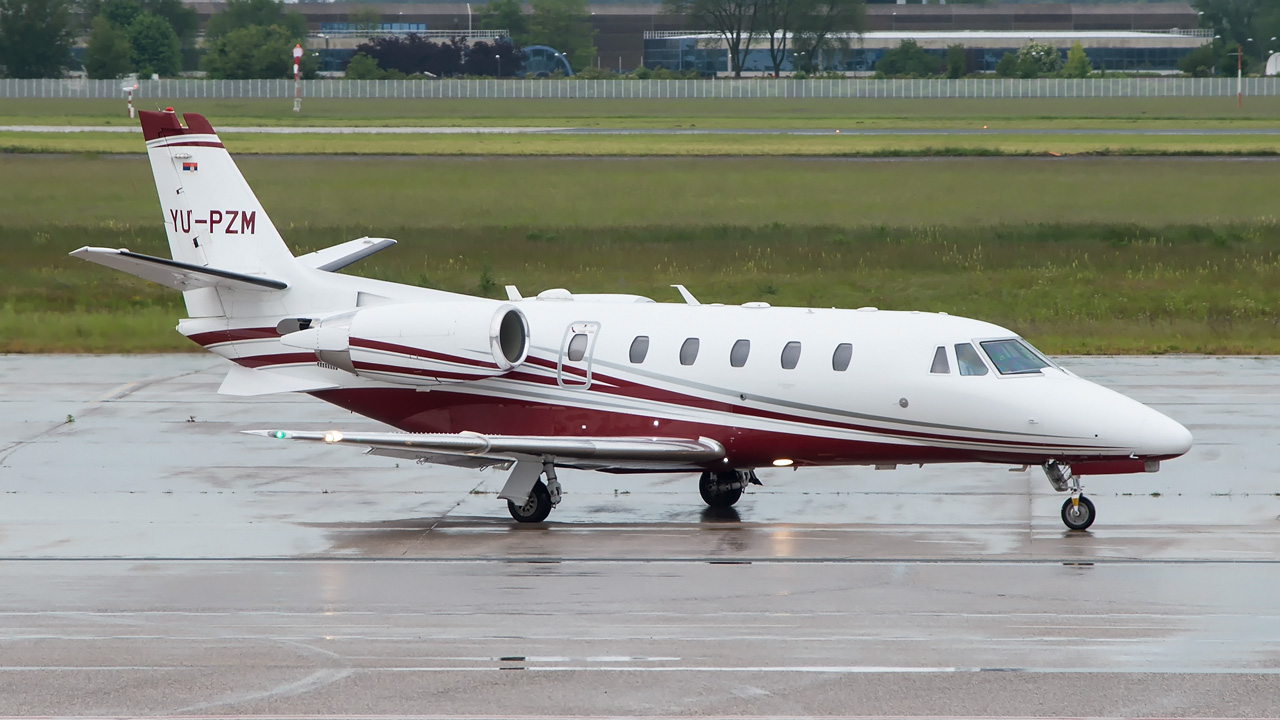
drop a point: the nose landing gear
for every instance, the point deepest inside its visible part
(1077, 510)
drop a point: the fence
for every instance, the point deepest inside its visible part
(182, 89)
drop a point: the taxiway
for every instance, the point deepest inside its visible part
(157, 562)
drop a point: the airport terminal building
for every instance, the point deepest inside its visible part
(1111, 50)
(629, 34)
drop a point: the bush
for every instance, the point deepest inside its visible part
(1008, 65)
(957, 61)
(1037, 59)
(1201, 62)
(908, 60)
(1078, 65)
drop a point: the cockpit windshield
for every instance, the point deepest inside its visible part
(1014, 357)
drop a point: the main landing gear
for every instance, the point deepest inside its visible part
(1077, 510)
(529, 499)
(722, 489)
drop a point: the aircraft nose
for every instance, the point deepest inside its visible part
(1163, 436)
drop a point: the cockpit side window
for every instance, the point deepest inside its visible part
(940, 364)
(969, 360)
(1013, 357)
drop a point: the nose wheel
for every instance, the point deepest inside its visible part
(1077, 512)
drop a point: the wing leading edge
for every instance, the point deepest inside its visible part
(476, 450)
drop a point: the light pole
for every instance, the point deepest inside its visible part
(499, 59)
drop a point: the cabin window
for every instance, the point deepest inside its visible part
(639, 349)
(1013, 357)
(790, 355)
(738, 355)
(969, 360)
(577, 348)
(840, 359)
(940, 365)
(689, 351)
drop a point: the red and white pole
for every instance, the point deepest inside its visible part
(297, 86)
(1239, 76)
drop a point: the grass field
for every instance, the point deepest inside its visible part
(1075, 113)
(1081, 255)
(829, 144)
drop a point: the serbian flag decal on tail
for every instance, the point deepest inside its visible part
(189, 166)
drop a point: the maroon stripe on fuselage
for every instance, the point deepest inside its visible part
(420, 352)
(217, 337)
(261, 361)
(449, 412)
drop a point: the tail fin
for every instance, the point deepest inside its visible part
(212, 217)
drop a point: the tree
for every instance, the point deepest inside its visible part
(35, 37)
(506, 15)
(957, 61)
(1037, 59)
(181, 18)
(1200, 62)
(501, 59)
(239, 14)
(1078, 64)
(734, 20)
(908, 59)
(108, 53)
(120, 13)
(821, 22)
(566, 26)
(776, 18)
(156, 49)
(366, 19)
(363, 67)
(255, 52)
(1008, 65)
(414, 55)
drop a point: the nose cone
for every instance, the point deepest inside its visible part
(1163, 437)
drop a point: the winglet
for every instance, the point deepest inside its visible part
(689, 299)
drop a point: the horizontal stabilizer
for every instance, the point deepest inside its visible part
(174, 274)
(598, 453)
(245, 382)
(340, 256)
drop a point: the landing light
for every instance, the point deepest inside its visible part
(333, 436)
(782, 462)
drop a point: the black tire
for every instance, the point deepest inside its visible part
(1080, 520)
(536, 508)
(720, 490)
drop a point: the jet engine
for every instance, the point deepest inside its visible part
(418, 344)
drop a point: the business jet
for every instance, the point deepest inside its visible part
(611, 382)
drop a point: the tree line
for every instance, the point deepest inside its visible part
(803, 28)
(255, 38)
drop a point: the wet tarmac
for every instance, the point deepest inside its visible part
(156, 562)
(498, 130)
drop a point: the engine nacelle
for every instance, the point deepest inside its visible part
(422, 343)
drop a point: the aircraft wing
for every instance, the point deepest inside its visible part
(174, 274)
(477, 451)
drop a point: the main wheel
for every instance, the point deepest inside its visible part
(536, 508)
(720, 490)
(1078, 517)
